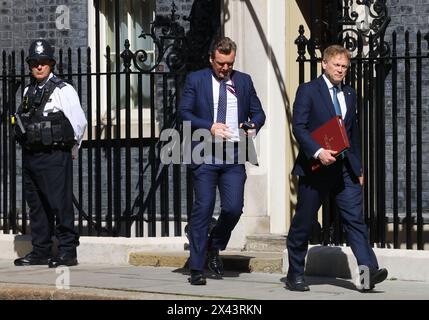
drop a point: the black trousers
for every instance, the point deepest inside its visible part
(48, 185)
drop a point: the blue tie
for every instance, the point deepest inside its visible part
(221, 108)
(336, 102)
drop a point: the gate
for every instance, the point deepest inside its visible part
(390, 75)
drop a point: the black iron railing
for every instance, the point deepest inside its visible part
(121, 186)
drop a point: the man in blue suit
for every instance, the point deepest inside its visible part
(317, 102)
(218, 101)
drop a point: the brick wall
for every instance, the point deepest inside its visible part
(411, 15)
(21, 21)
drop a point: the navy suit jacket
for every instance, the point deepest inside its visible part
(196, 104)
(313, 107)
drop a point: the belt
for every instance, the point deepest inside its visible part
(47, 149)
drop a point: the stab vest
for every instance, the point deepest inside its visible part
(36, 131)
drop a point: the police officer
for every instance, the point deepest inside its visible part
(49, 125)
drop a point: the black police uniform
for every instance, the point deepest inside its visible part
(46, 142)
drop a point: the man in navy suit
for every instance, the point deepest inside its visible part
(317, 102)
(218, 101)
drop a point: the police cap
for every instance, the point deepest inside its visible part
(39, 50)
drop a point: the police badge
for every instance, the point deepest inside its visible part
(39, 47)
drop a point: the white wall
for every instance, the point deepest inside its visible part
(258, 28)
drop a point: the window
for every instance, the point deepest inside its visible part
(135, 16)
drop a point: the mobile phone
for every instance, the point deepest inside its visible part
(247, 125)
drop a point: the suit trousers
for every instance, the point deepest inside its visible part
(339, 181)
(49, 193)
(230, 179)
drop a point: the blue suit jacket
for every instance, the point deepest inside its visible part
(313, 107)
(196, 104)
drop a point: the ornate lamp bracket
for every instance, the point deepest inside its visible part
(357, 33)
(168, 37)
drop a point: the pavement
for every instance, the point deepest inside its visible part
(127, 282)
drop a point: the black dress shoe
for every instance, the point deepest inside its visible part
(63, 260)
(376, 276)
(32, 259)
(197, 278)
(297, 284)
(214, 262)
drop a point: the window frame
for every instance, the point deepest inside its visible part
(103, 20)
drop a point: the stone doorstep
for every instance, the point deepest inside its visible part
(266, 242)
(232, 261)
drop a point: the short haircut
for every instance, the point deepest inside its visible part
(334, 50)
(224, 45)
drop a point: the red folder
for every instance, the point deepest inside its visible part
(331, 135)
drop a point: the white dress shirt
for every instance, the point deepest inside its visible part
(341, 100)
(231, 107)
(340, 96)
(66, 100)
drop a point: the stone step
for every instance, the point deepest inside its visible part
(244, 261)
(266, 243)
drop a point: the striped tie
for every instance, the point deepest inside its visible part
(221, 108)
